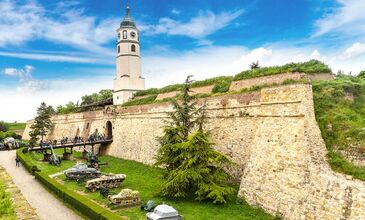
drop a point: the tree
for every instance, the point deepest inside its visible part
(42, 122)
(255, 65)
(192, 166)
(3, 126)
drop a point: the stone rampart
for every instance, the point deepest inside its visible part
(271, 135)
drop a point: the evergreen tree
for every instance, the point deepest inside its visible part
(42, 122)
(192, 165)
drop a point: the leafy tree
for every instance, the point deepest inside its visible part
(192, 165)
(361, 74)
(68, 108)
(3, 126)
(255, 65)
(42, 122)
(105, 94)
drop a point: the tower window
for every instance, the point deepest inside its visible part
(124, 34)
(133, 48)
(118, 36)
(118, 49)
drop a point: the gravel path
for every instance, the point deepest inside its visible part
(46, 205)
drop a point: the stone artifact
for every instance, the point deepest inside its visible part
(126, 197)
(81, 171)
(164, 212)
(105, 181)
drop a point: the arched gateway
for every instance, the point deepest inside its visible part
(109, 130)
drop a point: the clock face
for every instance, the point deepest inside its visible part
(133, 34)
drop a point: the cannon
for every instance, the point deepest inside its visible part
(81, 171)
(54, 160)
(105, 181)
(126, 197)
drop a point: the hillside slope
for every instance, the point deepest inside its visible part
(340, 113)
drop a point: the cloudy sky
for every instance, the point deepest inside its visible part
(57, 51)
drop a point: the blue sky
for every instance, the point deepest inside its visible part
(56, 51)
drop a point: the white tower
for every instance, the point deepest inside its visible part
(128, 78)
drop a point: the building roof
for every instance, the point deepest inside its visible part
(128, 21)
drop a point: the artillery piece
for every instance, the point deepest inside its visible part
(9, 144)
(105, 181)
(81, 171)
(126, 197)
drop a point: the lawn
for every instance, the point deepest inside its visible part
(6, 208)
(16, 126)
(147, 180)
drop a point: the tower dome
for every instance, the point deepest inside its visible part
(128, 21)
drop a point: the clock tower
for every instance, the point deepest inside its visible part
(128, 78)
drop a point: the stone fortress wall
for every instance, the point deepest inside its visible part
(271, 134)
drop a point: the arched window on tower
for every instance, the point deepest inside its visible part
(118, 49)
(133, 48)
(124, 34)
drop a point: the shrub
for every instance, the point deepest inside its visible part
(27, 163)
(222, 85)
(151, 91)
(148, 100)
(3, 126)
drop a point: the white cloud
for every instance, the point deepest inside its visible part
(20, 23)
(22, 74)
(204, 24)
(26, 81)
(175, 11)
(357, 49)
(347, 19)
(82, 58)
(24, 102)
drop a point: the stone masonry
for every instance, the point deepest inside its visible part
(271, 135)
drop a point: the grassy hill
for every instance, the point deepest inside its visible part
(340, 112)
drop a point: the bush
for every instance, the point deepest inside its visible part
(309, 67)
(27, 163)
(151, 91)
(3, 126)
(222, 85)
(148, 100)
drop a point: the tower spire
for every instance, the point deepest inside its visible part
(127, 9)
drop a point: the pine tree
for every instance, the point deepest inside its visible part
(193, 167)
(255, 65)
(42, 122)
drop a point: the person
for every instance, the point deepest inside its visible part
(17, 161)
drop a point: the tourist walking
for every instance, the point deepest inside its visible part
(17, 161)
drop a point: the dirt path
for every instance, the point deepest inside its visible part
(46, 205)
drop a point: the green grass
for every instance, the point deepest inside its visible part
(147, 180)
(16, 126)
(340, 109)
(7, 211)
(309, 67)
